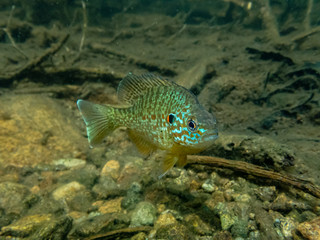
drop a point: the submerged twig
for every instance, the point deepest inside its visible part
(85, 24)
(306, 21)
(7, 31)
(256, 171)
(34, 63)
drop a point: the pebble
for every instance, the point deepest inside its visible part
(209, 186)
(68, 191)
(111, 168)
(111, 206)
(143, 214)
(165, 219)
(310, 229)
(107, 187)
(197, 225)
(227, 218)
(12, 196)
(174, 231)
(70, 162)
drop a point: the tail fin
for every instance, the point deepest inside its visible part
(99, 120)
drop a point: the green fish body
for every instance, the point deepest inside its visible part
(160, 115)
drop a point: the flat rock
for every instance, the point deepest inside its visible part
(111, 206)
(310, 229)
(37, 130)
(111, 168)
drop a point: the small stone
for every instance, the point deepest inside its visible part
(245, 198)
(86, 175)
(240, 229)
(70, 162)
(284, 203)
(77, 215)
(111, 206)
(209, 186)
(143, 214)
(68, 191)
(266, 193)
(111, 168)
(174, 231)
(107, 187)
(194, 185)
(287, 225)
(139, 236)
(227, 218)
(165, 219)
(310, 229)
(197, 225)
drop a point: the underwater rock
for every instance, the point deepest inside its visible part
(35, 132)
(12, 196)
(133, 196)
(143, 214)
(130, 173)
(41, 226)
(284, 203)
(107, 187)
(166, 218)
(97, 223)
(86, 175)
(139, 236)
(111, 206)
(68, 191)
(266, 193)
(310, 229)
(240, 229)
(70, 162)
(197, 225)
(209, 186)
(286, 226)
(227, 217)
(174, 232)
(222, 235)
(111, 168)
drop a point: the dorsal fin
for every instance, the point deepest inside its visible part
(133, 86)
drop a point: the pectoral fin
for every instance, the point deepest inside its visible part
(144, 146)
(170, 160)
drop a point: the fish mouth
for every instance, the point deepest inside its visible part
(211, 136)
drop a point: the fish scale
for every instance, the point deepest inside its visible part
(161, 115)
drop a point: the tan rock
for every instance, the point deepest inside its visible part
(165, 219)
(111, 168)
(111, 206)
(68, 191)
(310, 229)
(36, 129)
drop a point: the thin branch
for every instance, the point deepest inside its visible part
(256, 171)
(7, 31)
(85, 24)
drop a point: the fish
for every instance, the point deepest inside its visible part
(158, 114)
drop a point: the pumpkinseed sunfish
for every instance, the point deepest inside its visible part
(160, 115)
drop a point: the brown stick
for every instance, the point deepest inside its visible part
(122, 233)
(256, 171)
(35, 62)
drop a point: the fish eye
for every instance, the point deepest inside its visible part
(171, 118)
(192, 125)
